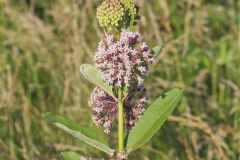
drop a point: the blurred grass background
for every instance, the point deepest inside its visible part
(43, 43)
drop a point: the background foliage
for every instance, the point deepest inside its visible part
(43, 43)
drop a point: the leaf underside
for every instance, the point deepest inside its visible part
(71, 156)
(152, 120)
(156, 51)
(81, 133)
(93, 74)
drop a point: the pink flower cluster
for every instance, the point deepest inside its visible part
(119, 155)
(124, 61)
(134, 105)
(104, 107)
(122, 156)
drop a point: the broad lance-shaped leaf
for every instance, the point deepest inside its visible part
(81, 133)
(157, 50)
(93, 74)
(71, 156)
(152, 119)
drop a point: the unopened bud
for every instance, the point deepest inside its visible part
(110, 13)
(130, 6)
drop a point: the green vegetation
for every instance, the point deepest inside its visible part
(43, 43)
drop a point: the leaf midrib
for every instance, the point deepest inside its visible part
(146, 131)
(106, 86)
(75, 133)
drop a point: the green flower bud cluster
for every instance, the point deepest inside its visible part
(130, 6)
(110, 13)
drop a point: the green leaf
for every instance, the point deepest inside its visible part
(93, 74)
(81, 133)
(71, 156)
(152, 120)
(157, 50)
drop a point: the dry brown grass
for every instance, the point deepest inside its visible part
(43, 43)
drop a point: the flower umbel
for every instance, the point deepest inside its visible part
(118, 156)
(104, 107)
(125, 61)
(129, 5)
(134, 105)
(122, 156)
(110, 13)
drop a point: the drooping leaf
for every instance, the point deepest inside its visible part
(93, 74)
(81, 133)
(157, 50)
(71, 156)
(152, 119)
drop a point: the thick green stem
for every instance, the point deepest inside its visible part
(120, 121)
(131, 23)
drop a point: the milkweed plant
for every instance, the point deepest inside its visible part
(121, 63)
